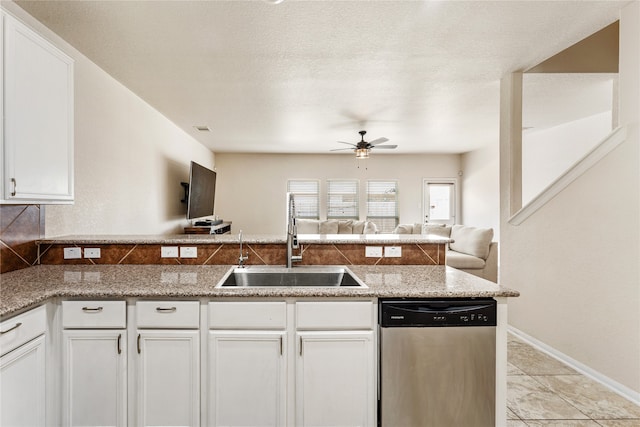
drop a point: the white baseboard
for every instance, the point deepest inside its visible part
(613, 385)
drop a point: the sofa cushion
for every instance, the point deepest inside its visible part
(345, 226)
(307, 226)
(471, 240)
(329, 226)
(357, 227)
(440, 230)
(460, 260)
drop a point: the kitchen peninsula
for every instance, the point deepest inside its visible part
(268, 341)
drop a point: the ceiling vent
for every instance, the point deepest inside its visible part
(203, 128)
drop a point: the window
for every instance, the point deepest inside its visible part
(342, 199)
(382, 204)
(307, 197)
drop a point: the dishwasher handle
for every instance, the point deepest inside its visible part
(440, 309)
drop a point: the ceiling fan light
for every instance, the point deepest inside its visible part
(362, 153)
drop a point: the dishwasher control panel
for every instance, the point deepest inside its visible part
(437, 312)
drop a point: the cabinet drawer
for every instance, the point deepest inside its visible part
(248, 315)
(94, 314)
(334, 315)
(168, 314)
(22, 328)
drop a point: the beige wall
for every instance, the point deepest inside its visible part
(481, 188)
(576, 260)
(251, 187)
(129, 158)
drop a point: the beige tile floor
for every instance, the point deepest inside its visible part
(542, 391)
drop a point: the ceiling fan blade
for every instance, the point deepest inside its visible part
(378, 141)
(348, 143)
(385, 146)
(341, 149)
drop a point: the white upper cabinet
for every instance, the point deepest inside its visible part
(37, 131)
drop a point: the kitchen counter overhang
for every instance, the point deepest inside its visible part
(26, 288)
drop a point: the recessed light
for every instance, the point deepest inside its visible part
(203, 128)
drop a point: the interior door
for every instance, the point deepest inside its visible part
(439, 200)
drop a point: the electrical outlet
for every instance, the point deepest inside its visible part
(188, 252)
(392, 251)
(72, 253)
(373, 251)
(92, 252)
(168, 252)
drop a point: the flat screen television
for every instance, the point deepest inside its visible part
(201, 191)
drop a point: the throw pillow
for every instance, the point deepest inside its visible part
(357, 227)
(345, 226)
(370, 228)
(403, 229)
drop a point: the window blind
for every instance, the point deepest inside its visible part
(306, 195)
(342, 199)
(382, 204)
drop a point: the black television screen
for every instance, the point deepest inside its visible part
(202, 191)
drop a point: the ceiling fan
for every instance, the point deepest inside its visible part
(363, 147)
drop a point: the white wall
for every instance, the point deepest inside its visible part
(548, 153)
(481, 188)
(251, 187)
(576, 260)
(129, 159)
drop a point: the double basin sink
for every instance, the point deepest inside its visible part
(277, 276)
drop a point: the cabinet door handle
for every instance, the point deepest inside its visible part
(119, 348)
(280, 345)
(92, 309)
(13, 182)
(166, 309)
(17, 325)
(300, 346)
(138, 343)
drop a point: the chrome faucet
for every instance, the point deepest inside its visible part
(292, 232)
(241, 258)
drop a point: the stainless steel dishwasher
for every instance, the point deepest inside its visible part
(437, 362)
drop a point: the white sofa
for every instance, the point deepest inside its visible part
(335, 226)
(471, 249)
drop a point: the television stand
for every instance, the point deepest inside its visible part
(223, 228)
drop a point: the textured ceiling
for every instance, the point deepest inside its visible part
(298, 76)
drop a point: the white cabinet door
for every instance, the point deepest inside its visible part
(335, 379)
(247, 378)
(22, 385)
(94, 378)
(37, 134)
(168, 378)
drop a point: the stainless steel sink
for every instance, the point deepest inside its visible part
(276, 276)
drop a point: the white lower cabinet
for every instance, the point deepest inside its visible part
(22, 385)
(335, 379)
(22, 369)
(94, 389)
(168, 364)
(327, 377)
(294, 362)
(94, 363)
(247, 378)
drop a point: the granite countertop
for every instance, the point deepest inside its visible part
(26, 288)
(247, 238)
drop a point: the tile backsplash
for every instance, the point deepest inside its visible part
(259, 254)
(20, 227)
